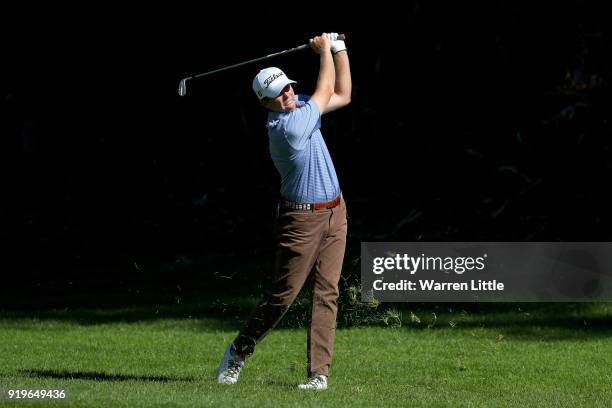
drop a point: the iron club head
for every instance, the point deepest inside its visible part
(182, 89)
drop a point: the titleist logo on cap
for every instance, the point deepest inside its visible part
(271, 78)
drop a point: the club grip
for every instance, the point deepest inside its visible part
(340, 37)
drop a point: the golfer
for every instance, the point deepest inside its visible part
(311, 225)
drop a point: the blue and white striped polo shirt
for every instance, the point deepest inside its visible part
(300, 154)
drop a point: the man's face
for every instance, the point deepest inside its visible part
(284, 102)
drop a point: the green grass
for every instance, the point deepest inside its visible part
(527, 356)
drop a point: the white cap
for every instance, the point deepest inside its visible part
(270, 82)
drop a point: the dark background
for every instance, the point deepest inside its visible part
(479, 122)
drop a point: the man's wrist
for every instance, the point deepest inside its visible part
(334, 53)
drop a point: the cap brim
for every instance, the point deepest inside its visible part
(275, 91)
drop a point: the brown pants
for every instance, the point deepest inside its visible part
(307, 242)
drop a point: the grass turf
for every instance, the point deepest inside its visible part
(528, 357)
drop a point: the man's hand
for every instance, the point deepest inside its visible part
(320, 43)
(336, 44)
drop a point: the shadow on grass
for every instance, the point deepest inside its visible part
(225, 310)
(97, 376)
(221, 311)
(542, 321)
(543, 329)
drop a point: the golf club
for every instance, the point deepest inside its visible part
(182, 89)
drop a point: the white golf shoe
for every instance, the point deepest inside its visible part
(230, 366)
(316, 382)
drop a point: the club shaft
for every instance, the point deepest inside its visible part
(301, 47)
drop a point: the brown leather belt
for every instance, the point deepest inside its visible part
(312, 206)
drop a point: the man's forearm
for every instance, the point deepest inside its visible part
(327, 74)
(344, 83)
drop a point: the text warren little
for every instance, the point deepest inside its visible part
(429, 285)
